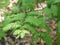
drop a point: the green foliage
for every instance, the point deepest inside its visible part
(58, 27)
(33, 20)
(11, 26)
(58, 35)
(46, 37)
(48, 14)
(57, 1)
(15, 9)
(54, 10)
(20, 33)
(2, 34)
(24, 20)
(4, 3)
(13, 18)
(40, 1)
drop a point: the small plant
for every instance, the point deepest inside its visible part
(25, 20)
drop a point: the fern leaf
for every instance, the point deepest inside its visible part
(47, 38)
(11, 26)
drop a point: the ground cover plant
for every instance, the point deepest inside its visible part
(24, 19)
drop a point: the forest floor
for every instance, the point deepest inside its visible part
(11, 41)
